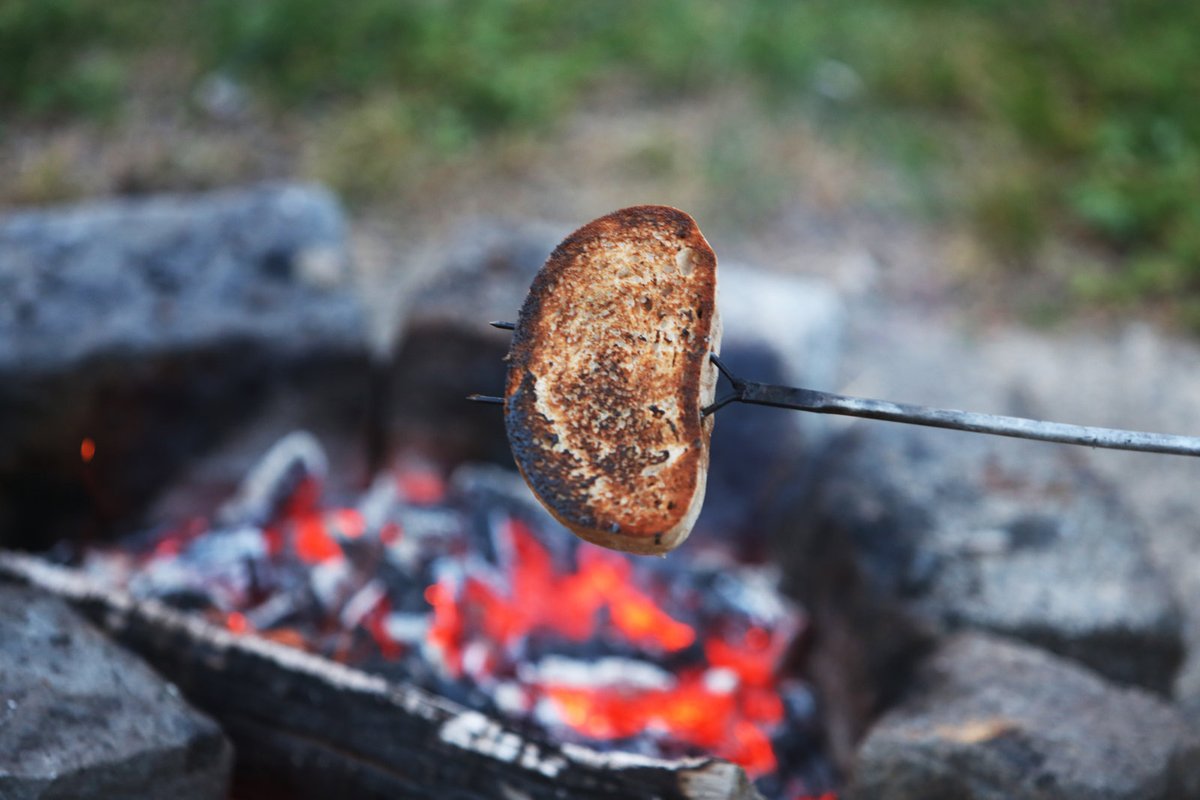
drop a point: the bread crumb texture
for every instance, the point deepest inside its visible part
(608, 374)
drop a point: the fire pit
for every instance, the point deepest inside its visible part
(313, 613)
(378, 607)
(468, 590)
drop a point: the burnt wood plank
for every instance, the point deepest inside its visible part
(312, 728)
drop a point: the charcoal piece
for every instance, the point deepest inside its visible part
(989, 718)
(305, 727)
(158, 330)
(81, 718)
(914, 532)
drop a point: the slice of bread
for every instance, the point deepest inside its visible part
(607, 376)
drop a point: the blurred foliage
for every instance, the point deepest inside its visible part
(65, 55)
(1077, 117)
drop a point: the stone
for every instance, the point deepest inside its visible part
(444, 349)
(81, 718)
(1132, 375)
(156, 327)
(1019, 538)
(911, 533)
(991, 719)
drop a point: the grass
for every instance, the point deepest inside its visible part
(1031, 120)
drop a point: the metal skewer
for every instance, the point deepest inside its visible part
(766, 394)
(790, 397)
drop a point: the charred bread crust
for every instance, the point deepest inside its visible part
(608, 372)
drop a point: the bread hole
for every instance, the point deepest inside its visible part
(683, 261)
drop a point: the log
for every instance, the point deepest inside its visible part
(307, 727)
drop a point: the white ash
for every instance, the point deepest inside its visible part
(611, 671)
(406, 627)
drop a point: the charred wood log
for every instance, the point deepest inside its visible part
(306, 727)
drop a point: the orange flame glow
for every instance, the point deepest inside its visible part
(694, 711)
(500, 620)
(237, 622)
(727, 708)
(313, 542)
(567, 604)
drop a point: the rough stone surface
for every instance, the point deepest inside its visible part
(444, 348)
(989, 719)
(1134, 376)
(155, 327)
(1014, 537)
(81, 718)
(911, 533)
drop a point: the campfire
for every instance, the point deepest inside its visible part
(465, 587)
(382, 607)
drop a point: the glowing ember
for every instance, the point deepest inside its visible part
(236, 622)
(473, 592)
(87, 450)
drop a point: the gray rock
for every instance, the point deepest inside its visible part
(157, 326)
(81, 718)
(911, 533)
(990, 719)
(1015, 537)
(444, 348)
(1132, 376)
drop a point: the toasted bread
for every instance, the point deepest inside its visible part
(608, 373)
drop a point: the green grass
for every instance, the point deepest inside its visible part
(1070, 119)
